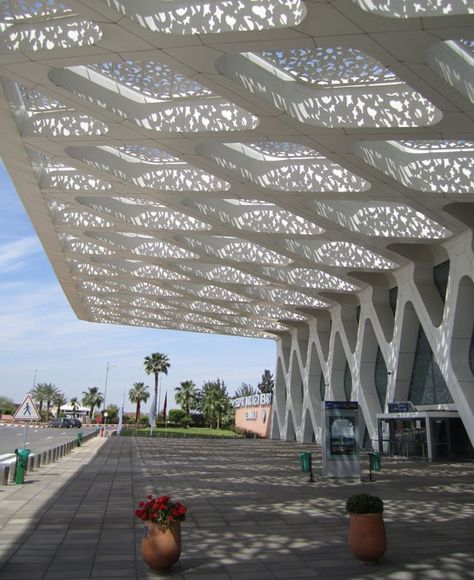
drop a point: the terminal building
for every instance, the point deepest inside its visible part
(297, 171)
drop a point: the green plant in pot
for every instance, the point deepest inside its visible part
(367, 537)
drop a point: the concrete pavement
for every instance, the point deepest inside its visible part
(252, 515)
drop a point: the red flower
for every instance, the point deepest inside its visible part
(161, 510)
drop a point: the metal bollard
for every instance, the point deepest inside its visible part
(306, 464)
(374, 463)
(4, 474)
(31, 462)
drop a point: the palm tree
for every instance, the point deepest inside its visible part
(215, 401)
(59, 400)
(155, 364)
(38, 394)
(49, 392)
(186, 396)
(75, 406)
(137, 394)
(92, 398)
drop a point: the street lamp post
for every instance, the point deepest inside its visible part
(109, 366)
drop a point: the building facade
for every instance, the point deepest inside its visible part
(284, 170)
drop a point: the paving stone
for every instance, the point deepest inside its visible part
(252, 516)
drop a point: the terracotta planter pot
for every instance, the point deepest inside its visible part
(161, 547)
(367, 537)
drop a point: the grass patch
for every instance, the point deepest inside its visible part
(182, 432)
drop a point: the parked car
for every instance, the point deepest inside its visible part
(76, 423)
(61, 423)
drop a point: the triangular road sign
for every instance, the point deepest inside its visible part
(27, 411)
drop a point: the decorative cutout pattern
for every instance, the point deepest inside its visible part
(304, 170)
(305, 278)
(258, 216)
(453, 61)
(152, 79)
(64, 214)
(236, 250)
(307, 85)
(213, 16)
(422, 8)
(144, 245)
(332, 66)
(18, 10)
(431, 166)
(224, 274)
(161, 243)
(49, 35)
(161, 171)
(383, 220)
(340, 254)
(144, 213)
(54, 174)
(154, 96)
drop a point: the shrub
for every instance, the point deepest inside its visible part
(143, 420)
(7, 406)
(363, 503)
(197, 420)
(176, 415)
(185, 422)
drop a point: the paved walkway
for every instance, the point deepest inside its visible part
(252, 515)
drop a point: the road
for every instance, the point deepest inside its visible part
(38, 439)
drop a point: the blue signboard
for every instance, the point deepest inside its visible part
(401, 407)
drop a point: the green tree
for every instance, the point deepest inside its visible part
(177, 416)
(245, 390)
(215, 403)
(186, 396)
(59, 400)
(92, 398)
(267, 384)
(112, 413)
(74, 402)
(39, 395)
(138, 394)
(49, 392)
(155, 364)
(7, 406)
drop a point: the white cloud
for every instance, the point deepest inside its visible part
(13, 255)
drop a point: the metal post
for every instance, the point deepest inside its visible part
(26, 436)
(109, 366)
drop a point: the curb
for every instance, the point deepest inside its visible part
(42, 458)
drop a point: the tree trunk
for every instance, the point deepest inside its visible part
(137, 412)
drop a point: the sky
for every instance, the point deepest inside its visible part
(41, 337)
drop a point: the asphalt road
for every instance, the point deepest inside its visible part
(37, 439)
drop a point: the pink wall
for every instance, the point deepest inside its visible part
(255, 419)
